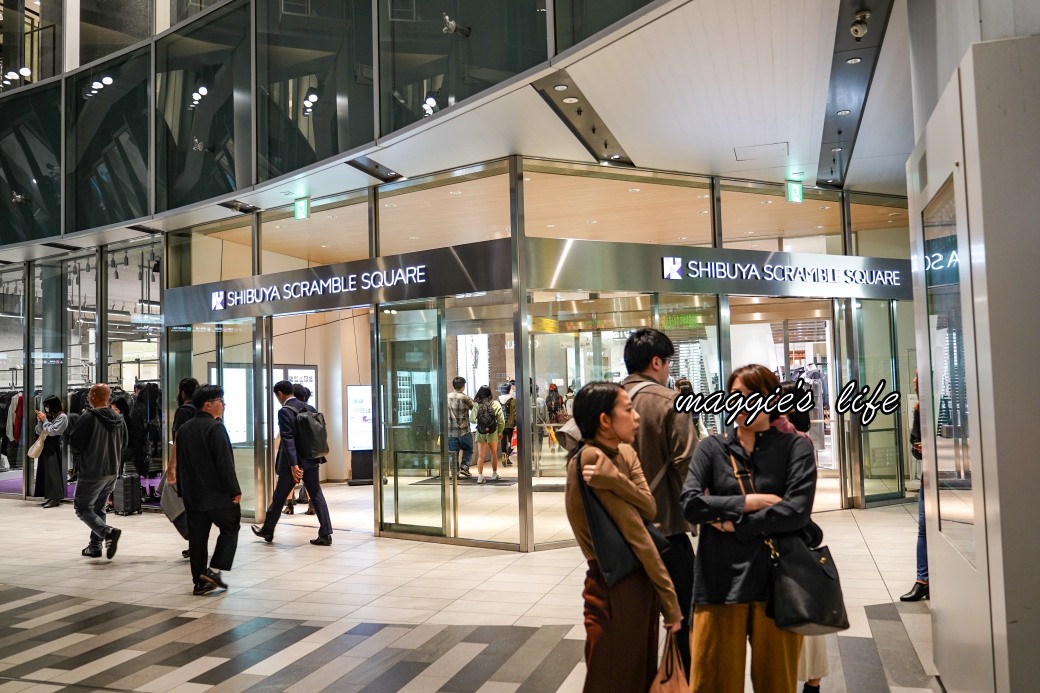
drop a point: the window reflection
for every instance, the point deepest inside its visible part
(133, 314)
(30, 175)
(210, 253)
(204, 125)
(314, 65)
(434, 54)
(576, 20)
(106, 26)
(759, 217)
(880, 226)
(108, 142)
(30, 42)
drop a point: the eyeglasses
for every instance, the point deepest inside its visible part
(221, 400)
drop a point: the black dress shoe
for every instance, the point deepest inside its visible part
(266, 536)
(52, 503)
(185, 553)
(323, 541)
(289, 508)
(202, 588)
(214, 578)
(918, 592)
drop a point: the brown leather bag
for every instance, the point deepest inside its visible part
(670, 677)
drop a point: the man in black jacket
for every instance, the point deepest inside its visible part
(291, 468)
(99, 436)
(209, 487)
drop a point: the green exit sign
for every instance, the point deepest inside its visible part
(794, 191)
(302, 208)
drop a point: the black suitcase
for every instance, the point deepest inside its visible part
(126, 498)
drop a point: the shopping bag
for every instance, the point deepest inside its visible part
(552, 436)
(512, 443)
(670, 677)
(36, 449)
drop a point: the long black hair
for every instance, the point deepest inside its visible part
(53, 406)
(483, 394)
(599, 397)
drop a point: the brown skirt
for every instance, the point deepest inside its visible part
(621, 626)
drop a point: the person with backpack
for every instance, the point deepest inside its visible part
(557, 412)
(170, 500)
(303, 447)
(490, 421)
(508, 401)
(303, 394)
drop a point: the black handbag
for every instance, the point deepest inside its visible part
(804, 589)
(614, 556)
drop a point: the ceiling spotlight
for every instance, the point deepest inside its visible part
(767, 202)
(413, 238)
(893, 214)
(844, 111)
(7, 81)
(615, 157)
(835, 149)
(560, 87)
(117, 274)
(830, 180)
(825, 207)
(112, 261)
(24, 72)
(106, 80)
(196, 96)
(454, 192)
(591, 221)
(203, 90)
(11, 75)
(571, 99)
(140, 274)
(550, 226)
(682, 238)
(389, 205)
(633, 190)
(854, 61)
(96, 85)
(819, 227)
(126, 259)
(703, 211)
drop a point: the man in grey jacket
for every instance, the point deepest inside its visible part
(100, 436)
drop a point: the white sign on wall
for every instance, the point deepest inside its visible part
(359, 417)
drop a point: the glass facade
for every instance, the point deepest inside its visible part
(314, 82)
(204, 120)
(30, 42)
(335, 231)
(106, 26)
(209, 253)
(433, 55)
(577, 20)
(30, 174)
(880, 226)
(107, 146)
(758, 216)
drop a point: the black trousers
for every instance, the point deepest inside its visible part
(284, 488)
(679, 563)
(227, 520)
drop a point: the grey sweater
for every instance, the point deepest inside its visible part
(100, 436)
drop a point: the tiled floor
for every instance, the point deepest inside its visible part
(371, 614)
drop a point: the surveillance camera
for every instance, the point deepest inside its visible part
(859, 27)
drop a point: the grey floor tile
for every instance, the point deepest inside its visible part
(555, 668)
(862, 665)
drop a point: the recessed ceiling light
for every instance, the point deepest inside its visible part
(203, 90)
(835, 149)
(106, 80)
(526, 179)
(890, 221)
(854, 61)
(705, 197)
(825, 207)
(615, 157)
(798, 173)
(333, 216)
(751, 233)
(703, 211)
(893, 214)
(560, 87)
(767, 202)
(324, 246)
(682, 238)
(633, 190)
(830, 180)
(413, 238)
(754, 245)
(844, 111)
(390, 205)
(454, 192)
(550, 226)
(278, 227)
(819, 227)
(571, 99)
(591, 221)
(96, 85)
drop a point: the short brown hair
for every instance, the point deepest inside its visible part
(756, 378)
(99, 395)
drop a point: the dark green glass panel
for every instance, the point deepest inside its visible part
(576, 20)
(107, 26)
(30, 161)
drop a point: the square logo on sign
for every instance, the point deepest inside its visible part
(672, 267)
(217, 301)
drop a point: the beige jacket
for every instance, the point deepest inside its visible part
(665, 437)
(620, 486)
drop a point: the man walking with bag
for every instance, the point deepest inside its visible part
(665, 444)
(294, 463)
(209, 488)
(99, 436)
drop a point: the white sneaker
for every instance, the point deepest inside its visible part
(480, 479)
(496, 476)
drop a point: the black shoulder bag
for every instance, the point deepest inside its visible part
(614, 556)
(804, 592)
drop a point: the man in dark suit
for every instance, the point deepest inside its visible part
(290, 468)
(209, 487)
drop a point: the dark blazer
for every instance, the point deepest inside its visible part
(206, 475)
(287, 456)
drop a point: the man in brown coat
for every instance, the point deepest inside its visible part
(665, 443)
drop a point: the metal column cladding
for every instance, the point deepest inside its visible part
(572, 265)
(463, 269)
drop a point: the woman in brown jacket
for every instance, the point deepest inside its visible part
(621, 622)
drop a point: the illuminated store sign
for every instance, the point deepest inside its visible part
(473, 268)
(673, 269)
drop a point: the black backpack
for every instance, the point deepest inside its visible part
(487, 420)
(312, 438)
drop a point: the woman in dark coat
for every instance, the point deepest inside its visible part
(50, 475)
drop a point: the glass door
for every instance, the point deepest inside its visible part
(412, 447)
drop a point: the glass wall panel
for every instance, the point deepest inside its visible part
(759, 217)
(210, 253)
(106, 26)
(107, 145)
(12, 377)
(593, 204)
(468, 206)
(314, 74)
(948, 378)
(183, 9)
(577, 338)
(48, 359)
(30, 165)
(880, 226)
(204, 126)
(30, 41)
(434, 54)
(81, 306)
(335, 231)
(576, 20)
(134, 315)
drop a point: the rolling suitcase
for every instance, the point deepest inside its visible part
(126, 498)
